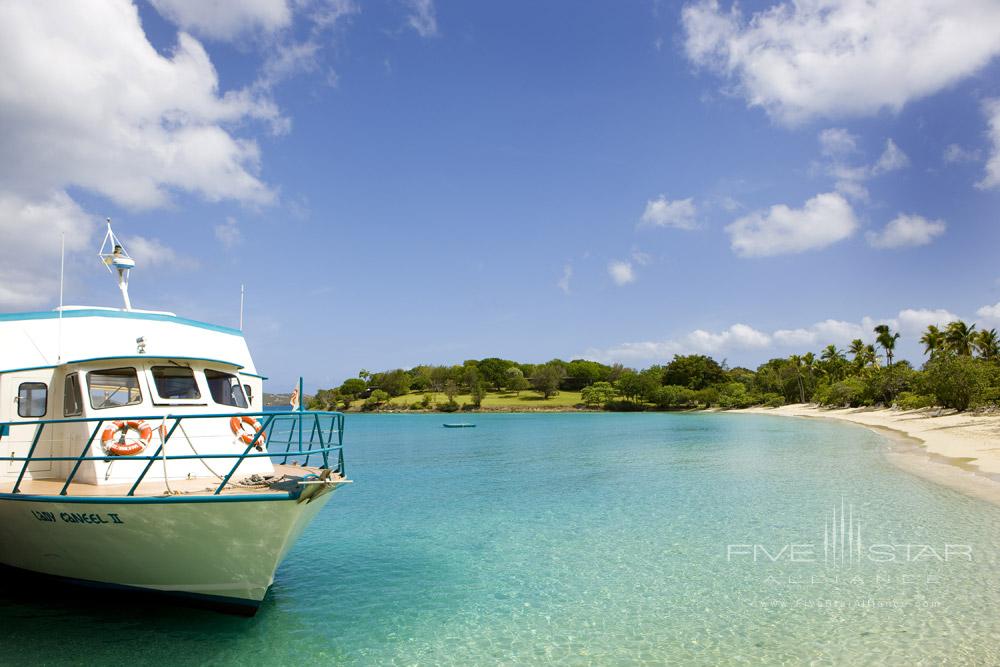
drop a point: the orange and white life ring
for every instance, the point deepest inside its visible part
(245, 428)
(113, 438)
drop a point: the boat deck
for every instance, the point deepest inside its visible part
(286, 478)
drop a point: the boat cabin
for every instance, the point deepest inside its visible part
(134, 372)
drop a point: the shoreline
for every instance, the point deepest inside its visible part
(956, 450)
(960, 451)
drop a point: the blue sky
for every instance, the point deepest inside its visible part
(408, 182)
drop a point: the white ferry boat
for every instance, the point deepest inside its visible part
(135, 453)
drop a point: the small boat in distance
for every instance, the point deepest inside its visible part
(135, 453)
(459, 425)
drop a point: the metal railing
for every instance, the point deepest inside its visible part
(325, 429)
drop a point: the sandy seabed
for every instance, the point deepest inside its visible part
(959, 450)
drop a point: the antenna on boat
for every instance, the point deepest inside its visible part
(242, 296)
(62, 282)
(114, 256)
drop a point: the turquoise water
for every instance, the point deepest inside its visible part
(588, 539)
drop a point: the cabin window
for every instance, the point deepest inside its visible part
(225, 388)
(113, 388)
(72, 399)
(249, 392)
(32, 399)
(175, 382)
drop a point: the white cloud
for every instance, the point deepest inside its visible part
(422, 17)
(661, 212)
(738, 336)
(953, 153)
(850, 181)
(892, 158)
(641, 258)
(825, 219)
(990, 312)
(228, 233)
(286, 57)
(567, 275)
(621, 272)
(906, 231)
(87, 102)
(913, 321)
(29, 255)
(837, 142)
(225, 20)
(745, 338)
(992, 177)
(829, 58)
(149, 252)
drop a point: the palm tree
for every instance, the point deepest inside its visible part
(959, 337)
(857, 350)
(832, 362)
(831, 353)
(987, 344)
(887, 340)
(870, 356)
(933, 340)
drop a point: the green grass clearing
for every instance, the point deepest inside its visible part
(527, 400)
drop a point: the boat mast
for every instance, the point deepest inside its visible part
(118, 261)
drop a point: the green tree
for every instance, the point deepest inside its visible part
(987, 344)
(673, 396)
(795, 364)
(477, 393)
(734, 395)
(833, 363)
(353, 388)
(494, 371)
(515, 380)
(744, 376)
(958, 381)
(630, 386)
(862, 355)
(615, 372)
(439, 377)
(599, 393)
(581, 372)
(694, 371)
(887, 339)
(394, 383)
(376, 398)
(325, 399)
(547, 377)
(933, 340)
(959, 337)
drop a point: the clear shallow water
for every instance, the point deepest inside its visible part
(588, 538)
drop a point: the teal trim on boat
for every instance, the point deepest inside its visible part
(149, 500)
(239, 367)
(459, 425)
(118, 314)
(157, 356)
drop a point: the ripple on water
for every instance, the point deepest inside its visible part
(586, 539)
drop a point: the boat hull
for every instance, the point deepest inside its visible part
(213, 549)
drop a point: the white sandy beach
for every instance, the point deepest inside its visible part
(960, 450)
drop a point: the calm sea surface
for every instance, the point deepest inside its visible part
(590, 539)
